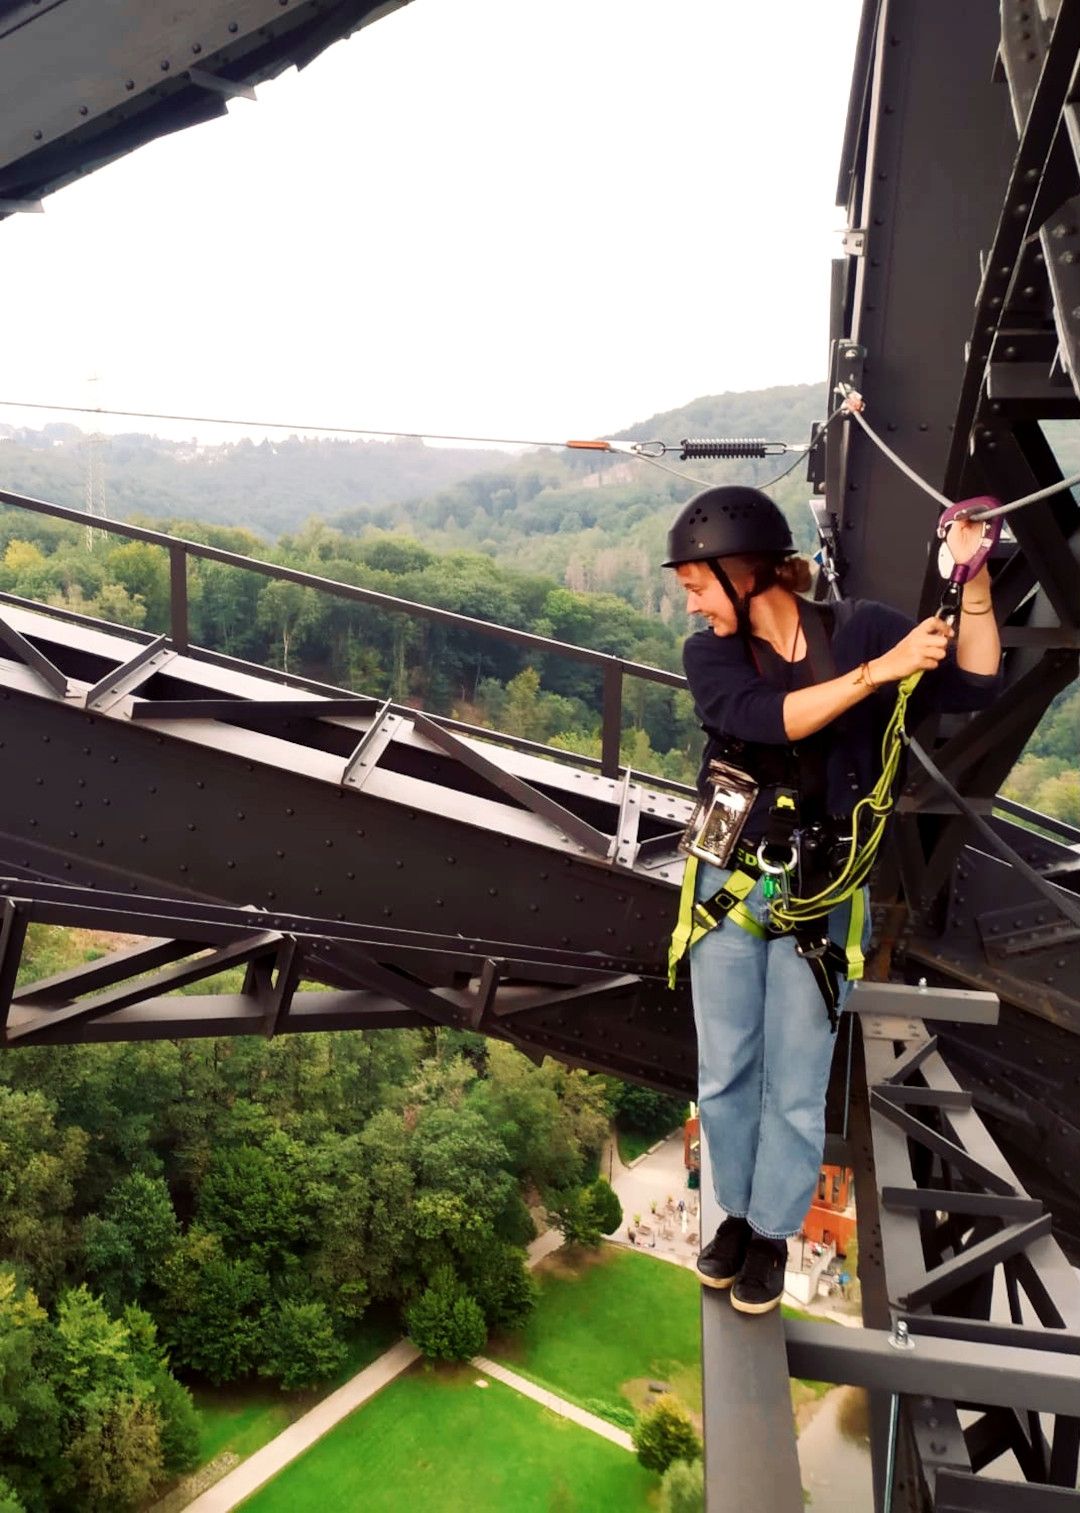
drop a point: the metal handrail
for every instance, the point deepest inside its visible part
(179, 548)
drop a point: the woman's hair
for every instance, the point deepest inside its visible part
(793, 573)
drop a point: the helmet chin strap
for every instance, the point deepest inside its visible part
(764, 578)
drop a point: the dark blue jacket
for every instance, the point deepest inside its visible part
(739, 696)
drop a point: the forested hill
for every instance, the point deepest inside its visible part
(276, 486)
(269, 487)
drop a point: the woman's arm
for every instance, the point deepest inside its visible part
(978, 645)
(808, 710)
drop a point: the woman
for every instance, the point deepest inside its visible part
(797, 695)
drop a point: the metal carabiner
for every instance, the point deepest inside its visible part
(772, 870)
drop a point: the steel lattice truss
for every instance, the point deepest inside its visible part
(369, 865)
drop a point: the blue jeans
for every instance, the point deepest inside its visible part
(764, 1053)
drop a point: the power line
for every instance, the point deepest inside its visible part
(274, 425)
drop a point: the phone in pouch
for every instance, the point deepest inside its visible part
(718, 818)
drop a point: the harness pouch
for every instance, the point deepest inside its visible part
(718, 819)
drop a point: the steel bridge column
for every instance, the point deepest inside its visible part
(927, 159)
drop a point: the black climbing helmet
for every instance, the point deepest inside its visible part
(730, 521)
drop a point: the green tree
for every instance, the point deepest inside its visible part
(573, 1213)
(386, 1226)
(503, 1285)
(300, 1347)
(445, 1322)
(286, 611)
(40, 1165)
(94, 1360)
(112, 1425)
(116, 1454)
(665, 1434)
(520, 1102)
(212, 1308)
(177, 1415)
(143, 570)
(252, 1198)
(462, 1178)
(114, 603)
(29, 1411)
(125, 1246)
(9, 1501)
(644, 1109)
(605, 1206)
(683, 1487)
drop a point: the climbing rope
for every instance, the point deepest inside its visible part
(853, 404)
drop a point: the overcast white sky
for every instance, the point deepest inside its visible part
(520, 219)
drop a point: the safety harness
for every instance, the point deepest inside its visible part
(773, 862)
(830, 963)
(806, 918)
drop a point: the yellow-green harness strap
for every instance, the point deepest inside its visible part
(696, 919)
(853, 944)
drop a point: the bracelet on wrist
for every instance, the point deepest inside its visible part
(865, 679)
(985, 610)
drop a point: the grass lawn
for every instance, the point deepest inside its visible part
(434, 1439)
(608, 1324)
(632, 1143)
(238, 1420)
(243, 1419)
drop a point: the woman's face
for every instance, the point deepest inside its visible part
(706, 596)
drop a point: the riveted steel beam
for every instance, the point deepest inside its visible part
(130, 675)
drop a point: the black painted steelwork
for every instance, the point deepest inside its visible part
(953, 314)
(469, 860)
(83, 82)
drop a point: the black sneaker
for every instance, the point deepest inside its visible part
(760, 1282)
(719, 1261)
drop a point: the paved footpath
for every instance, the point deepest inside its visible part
(293, 1441)
(550, 1400)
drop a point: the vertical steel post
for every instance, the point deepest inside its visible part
(178, 596)
(611, 729)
